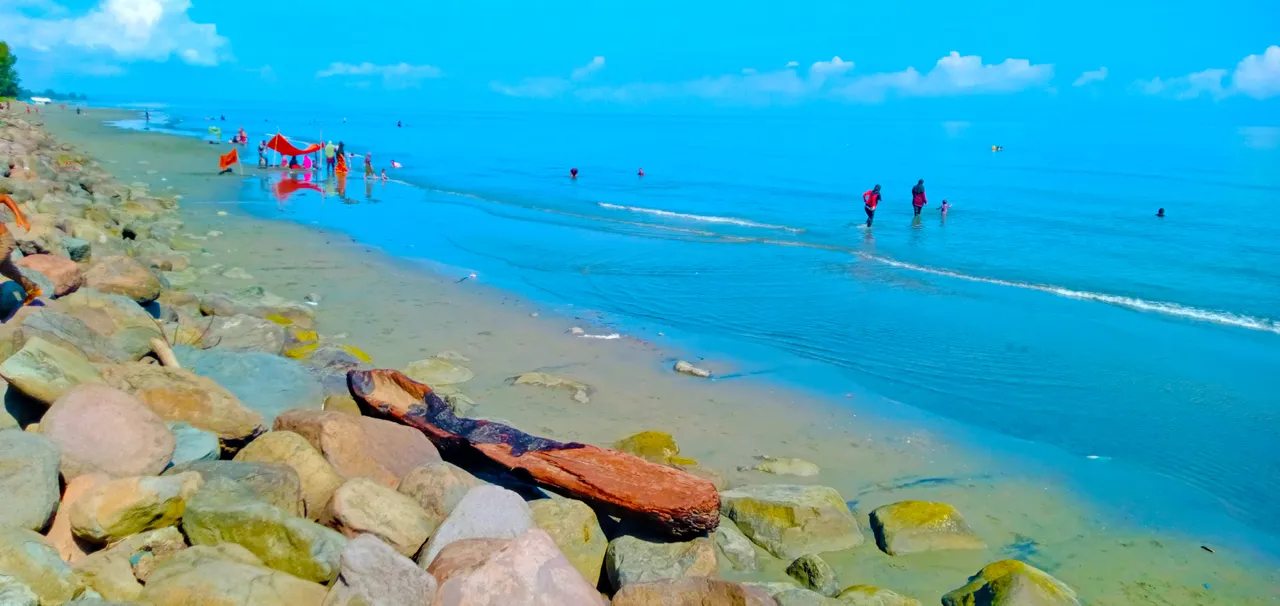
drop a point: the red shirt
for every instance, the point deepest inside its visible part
(871, 198)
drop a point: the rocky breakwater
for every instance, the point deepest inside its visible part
(145, 462)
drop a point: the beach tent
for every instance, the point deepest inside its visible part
(285, 148)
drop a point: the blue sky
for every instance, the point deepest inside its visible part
(1145, 55)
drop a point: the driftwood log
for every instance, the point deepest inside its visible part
(668, 499)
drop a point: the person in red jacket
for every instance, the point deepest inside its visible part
(871, 199)
(917, 196)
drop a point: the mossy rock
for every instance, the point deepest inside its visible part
(1012, 583)
(654, 446)
(790, 521)
(916, 526)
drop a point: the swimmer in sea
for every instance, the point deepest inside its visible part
(384, 174)
(640, 173)
(945, 207)
(573, 173)
(1160, 213)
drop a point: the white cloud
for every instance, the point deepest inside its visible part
(1256, 76)
(265, 72)
(793, 64)
(1259, 75)
(1089, 77)
(954, 74)
(397, 75)
(126, 29)
(596, 64)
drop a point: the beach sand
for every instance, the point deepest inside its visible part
(400, 311)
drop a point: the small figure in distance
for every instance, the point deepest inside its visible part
(1160, 213)
(640, 173)
(573, 173)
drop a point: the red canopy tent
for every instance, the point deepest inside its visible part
(282, 145)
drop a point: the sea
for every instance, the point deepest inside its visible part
(1050, 307)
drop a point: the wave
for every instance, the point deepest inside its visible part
(707, 219)
(1161, 307)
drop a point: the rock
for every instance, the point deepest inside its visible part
(110, 576)
(28, 480)
(63, 272)
(319, 480)
(121, 275)
(735, 546)
(27, 558)
(79, 250)
(1012, 583)
(176, 394)
(44, 371)
(139, 554)
(581, 392)
(13, 593)
(486, 512)
(373, 573)
(255, 301)
(237, 273)
(192, 444)
(361, 446)
(207, 575)
(867, 595)
(576, 531)
(119, 319)
(464, 556)
(438, 486)
(691, 591)
(70, 548)
(70, 332)
(458, 402)
(815, 573)
(530, 570)
(631, 559)
(364, 506)
(102, 429)
(286, 543)
(437, 371)
(265, 383)
(691, 370)
(654, 446)
(452, 356)
(243, 332)
(786, 466)
(118, 509)
(276, 484)
(915, 526)
(791, 521)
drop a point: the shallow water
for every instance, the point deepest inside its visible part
(1050, 305)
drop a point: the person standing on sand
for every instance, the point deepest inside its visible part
(917, 197)
(7, 245)
(870, 200)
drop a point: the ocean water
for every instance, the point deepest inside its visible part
(1050, 305)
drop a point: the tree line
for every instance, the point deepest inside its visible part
(11, 86)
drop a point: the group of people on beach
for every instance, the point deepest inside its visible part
(871, 200)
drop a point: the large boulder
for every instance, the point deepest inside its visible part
(438, 486)
(486, 512)
(869, 595)
(435, 371)
(361, 447)
(63, 272)
(209, 576)
(363, 506)
(117, 509)
(915, 526)
(529, 570)
(463, 556)
(273, 483)
(243, 332)
(266, 383)
(319, 480)
(28, 558)
(102, 429)
(69, 547)
(43, 371)
(286, 543)
(121, 275)
(28, 480)
(791, 521)
(373, 573)
(1012, 583)
(815, 573)
(176, 394)
(115, 317)
(70, 332)
(691, 591)
(255, 301)
(193, 444)
(576, 531)
(632, 559)
(735, 546)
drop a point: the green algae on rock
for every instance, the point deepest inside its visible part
(815, 573)
(790, 520)
(576, 531)
(915, 526)
(1012, 583)
(653, 446)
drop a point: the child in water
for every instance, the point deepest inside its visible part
(384, 174)
(945, 207)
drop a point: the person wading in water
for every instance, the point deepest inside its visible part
(917, 197)
(871, 199)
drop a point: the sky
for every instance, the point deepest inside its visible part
(1136, 57)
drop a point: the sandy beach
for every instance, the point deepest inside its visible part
(401, 311)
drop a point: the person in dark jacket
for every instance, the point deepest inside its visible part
(917, 196)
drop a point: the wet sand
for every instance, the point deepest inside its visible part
(399, 311)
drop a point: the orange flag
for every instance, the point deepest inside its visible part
(228, 159)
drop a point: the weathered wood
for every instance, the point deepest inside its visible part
(669, 499)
